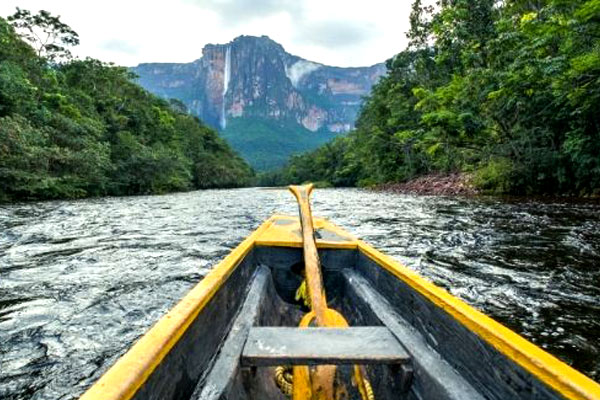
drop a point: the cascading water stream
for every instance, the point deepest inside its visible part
(226, 77)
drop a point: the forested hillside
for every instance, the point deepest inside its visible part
(75, 128)
(508, 92)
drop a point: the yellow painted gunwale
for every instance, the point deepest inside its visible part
(565, 380)
(290, 235)
(129, 373)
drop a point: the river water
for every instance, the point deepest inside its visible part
(80, 281)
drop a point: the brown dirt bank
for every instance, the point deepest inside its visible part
(455, 184)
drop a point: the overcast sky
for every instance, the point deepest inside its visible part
(129, 32)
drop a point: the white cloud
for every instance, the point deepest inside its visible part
(300, 69)
(128, 32)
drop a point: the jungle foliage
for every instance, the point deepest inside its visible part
(74, 128)
(268, 144)
(508, 91)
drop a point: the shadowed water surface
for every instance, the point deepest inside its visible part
(80, 281)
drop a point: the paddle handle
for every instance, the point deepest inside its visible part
(318, 384)
(312, 265)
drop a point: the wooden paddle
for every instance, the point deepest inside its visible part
(312, 265)
(319, 383)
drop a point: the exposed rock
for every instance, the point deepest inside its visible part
(256, 77)
(339, 127)
(314, 119)
(337, 86)
(455, 184)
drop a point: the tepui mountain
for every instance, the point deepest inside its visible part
(267, 103)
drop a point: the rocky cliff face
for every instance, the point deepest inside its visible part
(255, 78)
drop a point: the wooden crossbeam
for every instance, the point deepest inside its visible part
(270, 346)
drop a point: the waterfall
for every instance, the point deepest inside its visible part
(226, 77)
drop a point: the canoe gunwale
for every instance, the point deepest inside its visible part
(123, 380)
(132, 370)
(563, 379)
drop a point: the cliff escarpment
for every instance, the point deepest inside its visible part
(268, 103)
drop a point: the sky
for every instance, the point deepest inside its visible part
(128, 32)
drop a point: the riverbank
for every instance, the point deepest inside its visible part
(455, 184)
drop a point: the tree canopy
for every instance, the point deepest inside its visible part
(74, 128)
(506, 91)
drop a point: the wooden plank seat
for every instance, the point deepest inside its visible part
(271, 346)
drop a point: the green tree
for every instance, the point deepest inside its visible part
(80, 128)
(507, 91)
(48, 35)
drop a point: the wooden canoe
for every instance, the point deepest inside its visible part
(226, 337)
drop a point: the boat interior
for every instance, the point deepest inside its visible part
(409, 347)
(390, 334)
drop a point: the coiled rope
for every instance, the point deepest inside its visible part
(285, 382)
(369, 390)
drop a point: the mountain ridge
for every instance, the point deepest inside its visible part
(254, 78)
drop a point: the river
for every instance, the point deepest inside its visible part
(80, 281)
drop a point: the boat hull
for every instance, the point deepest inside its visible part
(456, 352)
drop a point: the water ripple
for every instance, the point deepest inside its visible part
(80, 281)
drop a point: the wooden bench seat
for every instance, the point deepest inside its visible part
(271, 346)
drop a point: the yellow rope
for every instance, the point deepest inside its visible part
(302, 294)
(369, 389)
(283, 375)
(285, 383)
(284, 380)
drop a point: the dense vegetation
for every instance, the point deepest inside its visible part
(74, 128)
(508, 91)
(268, 144)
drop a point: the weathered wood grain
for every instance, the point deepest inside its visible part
(227, 364)
(268, 346)
(488, 371)
(434, 378)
